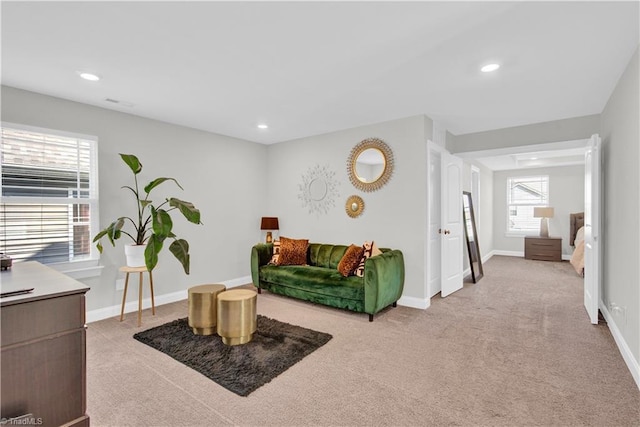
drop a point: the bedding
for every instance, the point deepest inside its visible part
(576, 239)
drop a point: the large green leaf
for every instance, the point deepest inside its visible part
(187, 208)
(133, 162)
(153, 184)
(154, 246)
(180, 249)
(162, 223)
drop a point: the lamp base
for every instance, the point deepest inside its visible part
(544, 227)
(269, 237)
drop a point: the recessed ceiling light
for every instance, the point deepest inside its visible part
(89, 76)
(489, 68)
(534, 158)
(262, 126)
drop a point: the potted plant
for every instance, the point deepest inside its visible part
(153, 224)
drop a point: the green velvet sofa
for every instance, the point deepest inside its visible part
(322, 283)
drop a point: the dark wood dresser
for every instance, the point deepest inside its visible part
(43, 358)
(543, 248)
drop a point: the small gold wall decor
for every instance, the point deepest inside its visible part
(354, 206)
(370, 164)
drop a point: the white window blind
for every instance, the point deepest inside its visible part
(523, 194)
(49, 204)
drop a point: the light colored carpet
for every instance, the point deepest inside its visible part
(514, 349)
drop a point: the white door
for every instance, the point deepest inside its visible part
(592, 238)
(451, 230)
(434, 211)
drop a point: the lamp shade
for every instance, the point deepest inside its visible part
(269, 223)
(544, 212)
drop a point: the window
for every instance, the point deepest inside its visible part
(49, 203)
(523, 194)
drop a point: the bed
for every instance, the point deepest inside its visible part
(576, 239)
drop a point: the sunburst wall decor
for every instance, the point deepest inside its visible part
(319, 189)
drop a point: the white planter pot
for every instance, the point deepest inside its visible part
(135, 255)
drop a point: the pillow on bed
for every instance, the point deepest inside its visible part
(579, 235)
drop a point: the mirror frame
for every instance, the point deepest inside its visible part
(473, 249)
(350, 201)
(387, 154)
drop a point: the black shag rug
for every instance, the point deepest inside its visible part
(276, 346)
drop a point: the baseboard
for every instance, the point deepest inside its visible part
(508, 253)
(488, 256)
(413, 302)
(632, 363)
(566, 257)
(132, 306)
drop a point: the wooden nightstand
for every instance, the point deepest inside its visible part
(543, 248)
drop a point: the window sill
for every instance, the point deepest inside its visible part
(521, 234)
(79, 269)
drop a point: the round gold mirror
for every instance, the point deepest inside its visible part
(354, 206)
(370, 164)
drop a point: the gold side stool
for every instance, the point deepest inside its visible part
(203, 308)
(140, 270)
(237, 317)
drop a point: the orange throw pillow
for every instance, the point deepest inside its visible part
(350, 260)
(293, 251)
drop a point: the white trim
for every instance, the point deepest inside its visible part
(625, 351)
(467, 272)
(232, 283)
(79, 269)
(488, 256)
(132, 306)
(508, 253)
(413, 302)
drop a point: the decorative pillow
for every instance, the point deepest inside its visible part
(350, 260)
(276, 253)
(293, 251)
(369, 249)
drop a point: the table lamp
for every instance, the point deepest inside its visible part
(544, 213)
(269, 223)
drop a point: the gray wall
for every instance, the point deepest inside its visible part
(394, 216)
(538, 133)
(566, 195)
(222, 176)
(620, 132)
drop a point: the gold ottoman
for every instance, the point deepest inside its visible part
(237, 316)
(203, 308)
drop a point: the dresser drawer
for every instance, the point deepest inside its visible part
(543, 249)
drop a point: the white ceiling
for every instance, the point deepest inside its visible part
(307, 68)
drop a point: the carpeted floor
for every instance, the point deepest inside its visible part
(514, 349)
(274, 348)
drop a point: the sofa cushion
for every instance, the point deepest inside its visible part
(350, 260)
(327, 256)
(323, 281)
(293, 251)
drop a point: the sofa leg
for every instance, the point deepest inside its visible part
(395, 304)
(371, 318)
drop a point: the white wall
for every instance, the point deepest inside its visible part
(566, 196)
(483, 210)
(394, 216)
(620, 132)
(224, 177)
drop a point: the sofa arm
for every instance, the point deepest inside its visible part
(260, 255)
(383, 280)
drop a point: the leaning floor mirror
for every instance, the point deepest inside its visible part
(471, 234)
